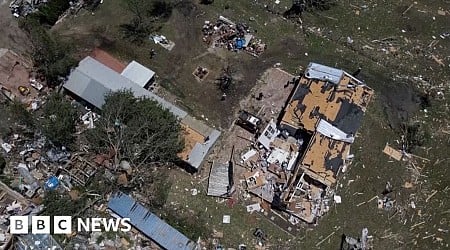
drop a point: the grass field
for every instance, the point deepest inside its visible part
(388, 42)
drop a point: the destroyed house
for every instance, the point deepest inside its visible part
(329, 104)
(149, 224)
(92, 80)
(319, 124)
(329, 94)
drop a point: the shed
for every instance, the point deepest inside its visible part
(138, 74)
(92, 80)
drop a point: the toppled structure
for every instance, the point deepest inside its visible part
(224, 33)
(149, 224)
(301, 156)
(12, 203)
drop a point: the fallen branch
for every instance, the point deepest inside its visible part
(362, 203)
(326, 238)
(431, 195)
(415, 225)
(429, 236)
(404, 12)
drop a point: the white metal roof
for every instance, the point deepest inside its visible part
(92, 80)
(138, 73)
(332, 132)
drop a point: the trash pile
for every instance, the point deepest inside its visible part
(226, 34)
(25, 7)
(13, 204)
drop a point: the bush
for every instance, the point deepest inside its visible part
(51, 55)
(50, 12)
(2, 164)
(59, 120)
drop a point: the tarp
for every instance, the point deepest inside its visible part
(240, 43)
(52, 183)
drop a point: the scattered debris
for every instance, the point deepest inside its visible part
(163, 41)
(394, 153)
(7, 147)
(254, 207)
(226, 219)
(226, 34)
(431, 195)
(362, 243)
(200, 73)
(261, 237)
(249, 121)
(337, 199)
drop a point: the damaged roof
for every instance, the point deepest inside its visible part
(328, 103)
(149, 224)
(323, 158)
(329, 94)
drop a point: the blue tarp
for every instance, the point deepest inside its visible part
(52, 183)
(240, 43)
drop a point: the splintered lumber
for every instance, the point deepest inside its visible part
(392, 152)
(431, 195)
(364, 202)
(326, 238)
(404, 12)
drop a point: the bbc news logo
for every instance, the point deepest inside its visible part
(63, 224)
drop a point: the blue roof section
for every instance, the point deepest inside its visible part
(149, 224)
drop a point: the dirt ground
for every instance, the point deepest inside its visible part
(403, 58)
(11, 36)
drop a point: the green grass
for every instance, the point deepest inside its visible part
(287, 44)
(210, 211)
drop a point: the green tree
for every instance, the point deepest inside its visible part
(58, 123)
(51, 55)
(21, 114)
(56, 203)
(146, 15)
(49, 13)
(2, 164)
(138, 130)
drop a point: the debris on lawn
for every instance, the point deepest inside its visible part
(233, 36)
(200, 73)
(226, 219)
(254, 207)
(163, 41)
(261, 237)
(249, 121)
(392, 152)
(364, 242)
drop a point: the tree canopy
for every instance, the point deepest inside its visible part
(51, 55)
(138, 130)
(146, 15)
(58, 123)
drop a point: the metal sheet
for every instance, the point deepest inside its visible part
(148, 223)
